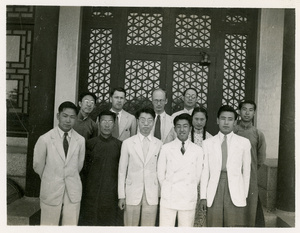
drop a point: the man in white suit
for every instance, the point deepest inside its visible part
(163, 126)
(58, 159)
(190, 98)
(226, 175)
(137, 181)
(179, 170)
(125, 125)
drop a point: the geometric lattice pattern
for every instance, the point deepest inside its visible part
(236, 19)
(193, 31)
(234, 69)
(141, 78)
(189, 75)
(144, 29)
(99, 63)
(20, 12)
(18, 70)
(102, 12)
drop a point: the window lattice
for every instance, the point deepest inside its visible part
(102, 13)
(19, 43)
(193, 31)
(189, 75)
(144, 29)
(234, 69)
(20, 12)
(236, 19)
(99, 63)
(141, 78)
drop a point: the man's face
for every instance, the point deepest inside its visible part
(117, 100)
(87, 104)
(159, 101)
(106, 125)
(226, 122)
(247, 112)
(145, 123)
(190, 99)
(182, 129)
(66, 119)
(199, 120)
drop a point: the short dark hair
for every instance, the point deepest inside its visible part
(227, 108)
(82, 95)
(183, 116)
(107, 113)
(121, 89)
(247, 102)
(145, 110)
(67, 104)
(190, 88)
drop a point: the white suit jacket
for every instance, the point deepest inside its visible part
(57, 172)
(136, 173)
(238, 169)
(127, 126)
(179, 175)
(168, 133)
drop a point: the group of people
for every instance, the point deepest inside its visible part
(151, 169)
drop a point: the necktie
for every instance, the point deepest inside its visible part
(116, 128)
(182, 149)
(145, 146)
(157, 133)
(66, 143)
(224, 153)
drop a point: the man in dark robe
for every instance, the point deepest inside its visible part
(100, 201)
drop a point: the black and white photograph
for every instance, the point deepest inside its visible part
(149, 116)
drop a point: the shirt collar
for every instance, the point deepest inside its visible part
(163, 114)
(179, 143)
(80, 116)
(188, 111)
(119, 113)
(242, 125)
(61, 133)
(141, 137)
(221, 136)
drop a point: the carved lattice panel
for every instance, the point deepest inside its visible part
(18, 59)
(234, 69)
(141, 78)
(102, 12)
(16, 12)
(193, 31)
(100, 63)
(189, 75)
(144, 29)
(236, 19)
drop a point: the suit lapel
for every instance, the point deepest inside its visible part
(138, 147)
(152, 147)
(123, 122)
(217, 151)
(167, 127)
(56, 140)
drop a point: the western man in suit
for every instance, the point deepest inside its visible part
(226, 175)
(137, 181)
(163, 125)
(179, 170)
(58, 158)
(125, 125)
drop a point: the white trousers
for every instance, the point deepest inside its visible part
(50, 215)
(167, 217)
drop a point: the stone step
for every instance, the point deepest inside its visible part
(24, 211)
(17, 141)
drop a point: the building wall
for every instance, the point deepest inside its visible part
(269, 72)
(269, 67)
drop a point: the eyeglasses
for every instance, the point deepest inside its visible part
(89, 102)
(191, 96)
(143, 120)
(159, 101)
(109, 122)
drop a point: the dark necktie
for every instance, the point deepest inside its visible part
(182, 149)
(224, 153)
(157, 133)
(66, 144)
(116, 128)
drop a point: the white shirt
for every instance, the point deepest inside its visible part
(62, 134)
(119, 114)
(182, 111)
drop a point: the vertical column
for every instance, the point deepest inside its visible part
(286, 161)
(42, 86)
(67, 67)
